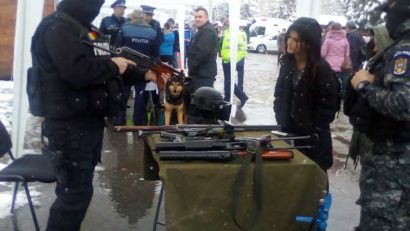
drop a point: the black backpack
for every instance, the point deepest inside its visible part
(34, 92)
(34, 82)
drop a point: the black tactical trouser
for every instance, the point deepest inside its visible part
(80, 145)
(385, 188)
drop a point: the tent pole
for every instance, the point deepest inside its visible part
(234, 14)
(29, 14)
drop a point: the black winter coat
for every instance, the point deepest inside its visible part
(202, 53)
(315, 105)
(357, 44)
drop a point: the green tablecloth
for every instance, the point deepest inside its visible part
(198, 194)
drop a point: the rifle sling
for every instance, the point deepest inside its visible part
(257, 187)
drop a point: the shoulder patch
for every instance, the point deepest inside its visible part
(400, 65)
(401, 53)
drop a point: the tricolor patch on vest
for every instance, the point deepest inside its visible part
(400, 65)
(92, 36)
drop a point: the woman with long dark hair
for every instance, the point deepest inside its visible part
(306, 92)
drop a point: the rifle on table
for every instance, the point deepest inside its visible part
(192, 130)
(209, 149)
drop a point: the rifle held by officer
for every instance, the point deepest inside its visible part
(148, 62)
(144, 61)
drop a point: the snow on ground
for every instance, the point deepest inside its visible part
(6, 189)
(6, 195)
(6, 103)
(21, 199)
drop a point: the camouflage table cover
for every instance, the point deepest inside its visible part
(198, 194)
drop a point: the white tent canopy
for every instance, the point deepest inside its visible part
(29, 13)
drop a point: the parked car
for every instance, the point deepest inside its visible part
(263, 44)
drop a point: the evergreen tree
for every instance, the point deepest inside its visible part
(285, 9)
(362, 12)
(332, 7)
(220, 11)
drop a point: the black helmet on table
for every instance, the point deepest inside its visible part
(208, 103)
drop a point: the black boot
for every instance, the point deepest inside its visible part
(244, 99)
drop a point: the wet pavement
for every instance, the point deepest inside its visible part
(123, 200)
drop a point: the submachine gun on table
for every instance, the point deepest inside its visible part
(224, 149)
(216, 142)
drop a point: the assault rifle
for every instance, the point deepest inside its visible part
(195, 130)
(210, 149)
(144, 61)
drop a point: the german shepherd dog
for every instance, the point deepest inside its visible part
(174, 99)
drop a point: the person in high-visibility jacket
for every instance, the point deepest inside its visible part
(224, 53)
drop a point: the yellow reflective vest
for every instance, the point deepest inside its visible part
(225, 48)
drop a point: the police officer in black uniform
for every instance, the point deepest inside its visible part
(79, 87)
(149, 13)
(112, 24)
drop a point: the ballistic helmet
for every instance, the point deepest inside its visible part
(208, 103)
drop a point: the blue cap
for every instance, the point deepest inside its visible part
(118, 3)
(147, 9)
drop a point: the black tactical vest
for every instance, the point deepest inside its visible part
(375, 125)
(51, 96)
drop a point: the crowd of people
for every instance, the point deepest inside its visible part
(144, 34)
(83, 85)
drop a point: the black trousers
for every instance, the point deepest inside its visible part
(80, 144)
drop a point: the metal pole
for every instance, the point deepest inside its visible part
(29, 14)
(181, 31)
(234, 13)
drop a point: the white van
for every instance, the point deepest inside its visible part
(268, 26)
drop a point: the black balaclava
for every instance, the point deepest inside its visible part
(84, 11)
(398, 11)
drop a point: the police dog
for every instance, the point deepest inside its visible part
(174, 99)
